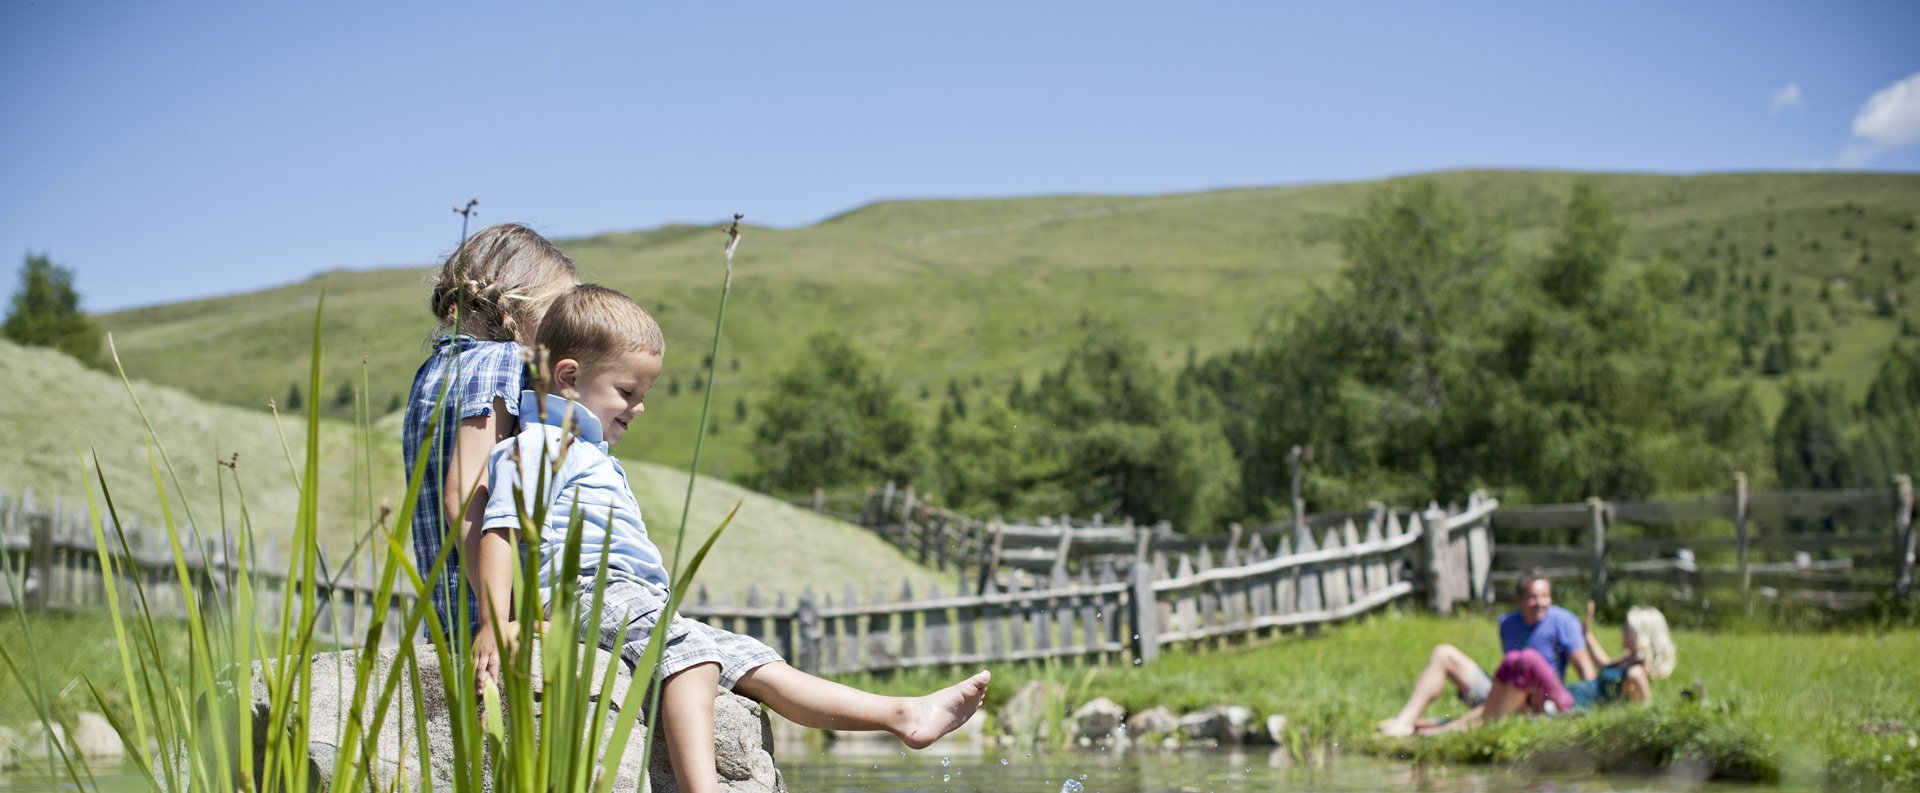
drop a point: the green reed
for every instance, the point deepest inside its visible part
(189, 724)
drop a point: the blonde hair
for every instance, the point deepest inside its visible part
(591, 323)
(1652, 642)
(498, 283)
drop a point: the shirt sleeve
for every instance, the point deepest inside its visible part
(485, 372)
(514, 473)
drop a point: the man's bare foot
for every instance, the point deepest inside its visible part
(1395, 728)
(941, 712)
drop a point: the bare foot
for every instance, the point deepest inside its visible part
(1394, 728)
(941, 712)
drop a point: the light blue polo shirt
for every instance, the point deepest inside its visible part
(586, 478)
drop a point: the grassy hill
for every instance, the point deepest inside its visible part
(987, 290)
(52, 409)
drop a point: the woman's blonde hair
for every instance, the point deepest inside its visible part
(1652, 642)
(498, 283)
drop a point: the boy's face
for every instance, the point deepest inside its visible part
(614, 391)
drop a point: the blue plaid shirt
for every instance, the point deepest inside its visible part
(473, 372)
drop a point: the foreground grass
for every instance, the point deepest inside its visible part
(1807, 699)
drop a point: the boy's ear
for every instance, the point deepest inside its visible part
(566, 374)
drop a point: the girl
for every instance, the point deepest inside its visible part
(488, 298)
(1525, 683)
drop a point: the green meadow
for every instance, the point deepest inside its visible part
(992, 289)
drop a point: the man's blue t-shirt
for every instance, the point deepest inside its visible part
(1556, 636)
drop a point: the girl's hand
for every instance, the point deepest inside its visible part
(1587, 624)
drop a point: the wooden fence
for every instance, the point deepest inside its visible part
(1830, 548)
(1114, 606)
(51, 560)
(1110, 607)
(982, 550)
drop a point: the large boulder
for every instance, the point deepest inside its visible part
(743, 739)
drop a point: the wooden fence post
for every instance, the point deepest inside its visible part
(1597, 547)
(1439, 585)
(1740, 529)
(1146, 615)
(1903, 535)
(819, 500)
(886, 503)
(39, 578)
(807, 634)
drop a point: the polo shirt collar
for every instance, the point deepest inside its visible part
(558, 409)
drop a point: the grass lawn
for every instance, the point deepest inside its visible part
(1807, 695)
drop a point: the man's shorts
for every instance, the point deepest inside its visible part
(1475, 694)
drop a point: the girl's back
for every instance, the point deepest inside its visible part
(488, 298)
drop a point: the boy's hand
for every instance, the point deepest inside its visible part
(486, 650)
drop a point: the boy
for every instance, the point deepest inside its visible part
(605, 350)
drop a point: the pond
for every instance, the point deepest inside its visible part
(876, 768)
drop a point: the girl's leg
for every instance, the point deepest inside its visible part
(810, 701)
(686, 715)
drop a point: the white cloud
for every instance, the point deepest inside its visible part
(1889, 120)
(1785, 99)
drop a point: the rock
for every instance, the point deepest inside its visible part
(1098, 720)
(1155, 720)
(1025, 714)
(11, 747)
(35, 741)
(1276, 732)
(1224, 723)
(743, 739)
(96, 740)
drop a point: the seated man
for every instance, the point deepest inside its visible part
(1536, 623)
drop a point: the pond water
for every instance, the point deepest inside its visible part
(860, 769)
(875, 768)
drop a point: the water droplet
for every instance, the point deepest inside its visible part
(1003, 760)
(1249, 769)
(946, 777)
(1137, 661)
(1073, 786)
(1029, 755)
(1083, 777)
(946, 761)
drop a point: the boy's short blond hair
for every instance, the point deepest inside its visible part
(591, 323)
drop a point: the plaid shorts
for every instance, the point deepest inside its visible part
(631, 607)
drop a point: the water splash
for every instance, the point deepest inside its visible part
(1073, 786)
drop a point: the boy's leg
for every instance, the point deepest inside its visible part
(686, 716)
(813, 702)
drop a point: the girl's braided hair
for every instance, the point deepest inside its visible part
(498, 283)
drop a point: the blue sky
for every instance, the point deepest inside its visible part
(169, 151)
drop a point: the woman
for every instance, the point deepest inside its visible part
(1526, 683)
